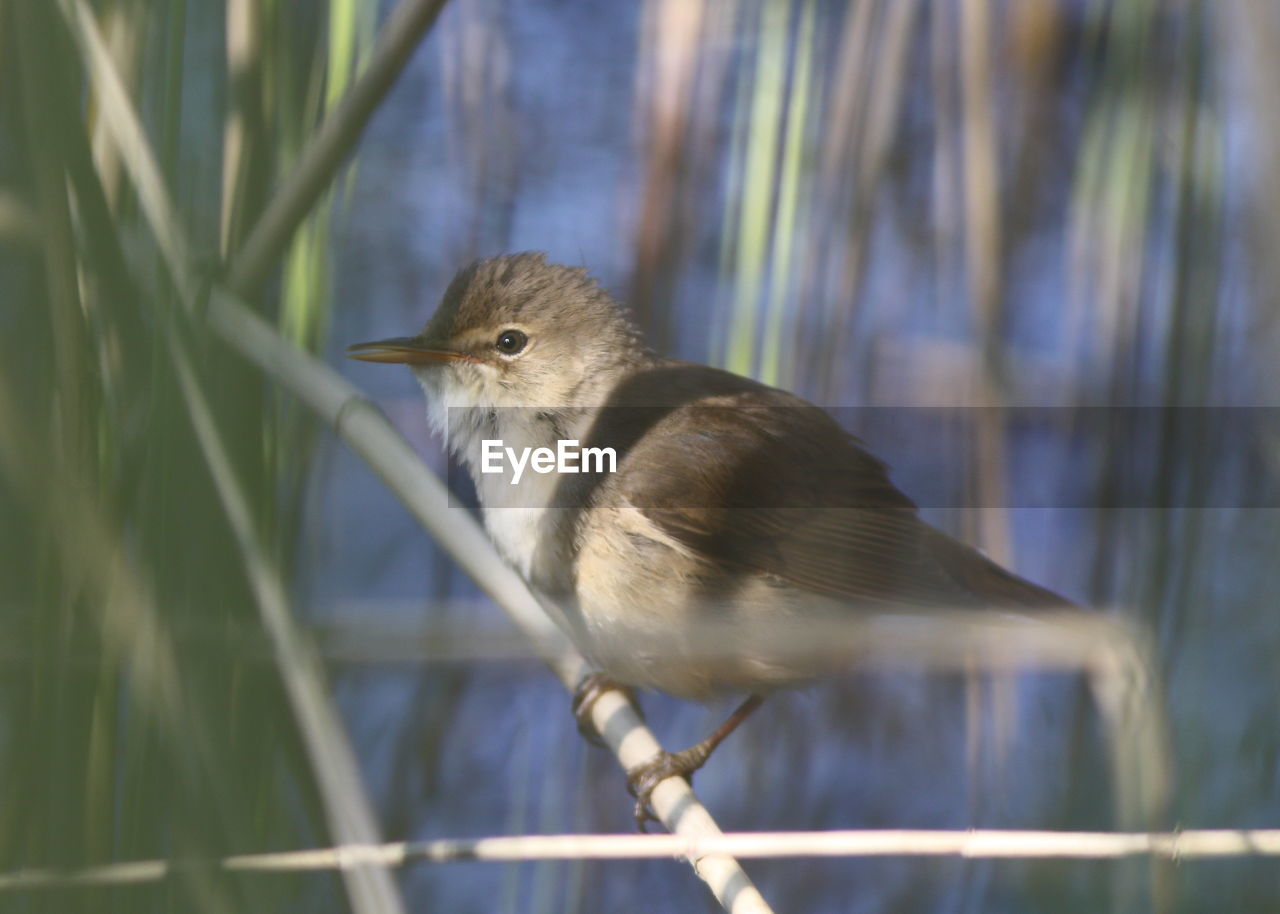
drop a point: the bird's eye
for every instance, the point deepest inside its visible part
(510, 342)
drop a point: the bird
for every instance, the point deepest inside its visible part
(735, 530)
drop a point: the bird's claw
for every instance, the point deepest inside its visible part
(589, 691)
(643, 778)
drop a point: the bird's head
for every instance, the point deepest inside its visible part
(517, 331)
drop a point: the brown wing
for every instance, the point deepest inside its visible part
(987, 581)
(752, 479)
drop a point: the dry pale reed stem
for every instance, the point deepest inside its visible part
(362, 426)
(1201, 844)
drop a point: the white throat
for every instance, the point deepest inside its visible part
(513, 514)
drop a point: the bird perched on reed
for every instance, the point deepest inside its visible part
(737, 530)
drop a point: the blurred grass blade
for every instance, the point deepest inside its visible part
(350, 816)
(984, 252)
(95, 562)
(764, 127)
(127, 133)
(242, 135)
(324, 154)
(788, 225)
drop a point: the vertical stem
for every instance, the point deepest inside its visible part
(243, 41)
(175, 56)
(982, 245)
(120, 32)
(38, 56)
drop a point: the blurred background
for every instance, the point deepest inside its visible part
(1031, 204)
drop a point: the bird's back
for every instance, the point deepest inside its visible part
(738, 508)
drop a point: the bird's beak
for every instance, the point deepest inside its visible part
(407, 350)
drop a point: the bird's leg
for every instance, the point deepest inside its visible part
(642, 779)
(585, 696)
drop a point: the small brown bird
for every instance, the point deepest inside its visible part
(736, 527)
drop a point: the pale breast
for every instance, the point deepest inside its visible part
(513, 517)
(656, 620)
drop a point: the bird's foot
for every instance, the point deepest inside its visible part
(585, 696)
(643, 778)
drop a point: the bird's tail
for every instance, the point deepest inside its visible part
(987, 581)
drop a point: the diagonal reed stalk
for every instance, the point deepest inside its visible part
(314, 172)
(343, 406)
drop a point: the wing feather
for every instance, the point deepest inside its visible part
(752, 479)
